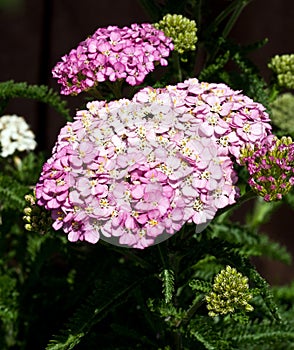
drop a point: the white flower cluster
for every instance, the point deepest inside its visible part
(15, 135)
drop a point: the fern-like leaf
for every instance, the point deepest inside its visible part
(208, 73)
(202, 286)
(167, 277)
(250, 242)
(11, 193)
(94, 310)
(11, 89)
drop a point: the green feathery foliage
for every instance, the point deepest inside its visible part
(9, 311)
(249, 241)
(167, 277)
(214, 68)
(11, 192)
(10, 90)
(202, 286)
(96, 307)
(251, 80)
(266, 335)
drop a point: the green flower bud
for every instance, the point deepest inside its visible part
(30, 199)
(181, 30)
(283, 66)
(27, 210)
(230, 293)
(36, 218)
(28, 227)
(26, 218)
(282, 113)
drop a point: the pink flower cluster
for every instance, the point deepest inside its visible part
(135, 171)
(271, 167)
(226, 116)
(111, 54)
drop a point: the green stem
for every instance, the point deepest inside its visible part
(247, 196)
(161, 256)
(231, 22)
(191, 311)
(177, 65)
(261, 212)
(94, 92)
(116, 88)
(236, 7)
(131, 255)
(198, 11)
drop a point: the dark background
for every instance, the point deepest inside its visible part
(35, 34)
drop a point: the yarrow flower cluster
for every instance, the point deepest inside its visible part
(271, 167)
(230, 293)
(135, 171)
(112, 54)
(182, 31)
(283, 66)
(15, 135)
(226, 116)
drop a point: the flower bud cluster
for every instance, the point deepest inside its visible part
(271, 167)
(282, 113)
(182, 31)
(230, 293)
(36, 218)
(112, 54)
(283, 66)
(15, 135)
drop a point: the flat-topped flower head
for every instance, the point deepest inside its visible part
(182, 31)
(15, 136)
(271, 167)
(228, 117)
(134, 172)
(113, 54)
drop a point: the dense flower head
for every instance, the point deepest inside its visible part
(282, 115)
(135, 171)
(230, 293)
(15, 135)
(227, 117)
(112, 54)
(283, 66)
(182, 31)
(271, 167)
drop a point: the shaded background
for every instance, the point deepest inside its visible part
(35, 34)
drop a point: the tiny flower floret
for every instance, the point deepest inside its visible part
(112, 54)
(138, 170)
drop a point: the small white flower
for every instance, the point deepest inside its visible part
(15, 135)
